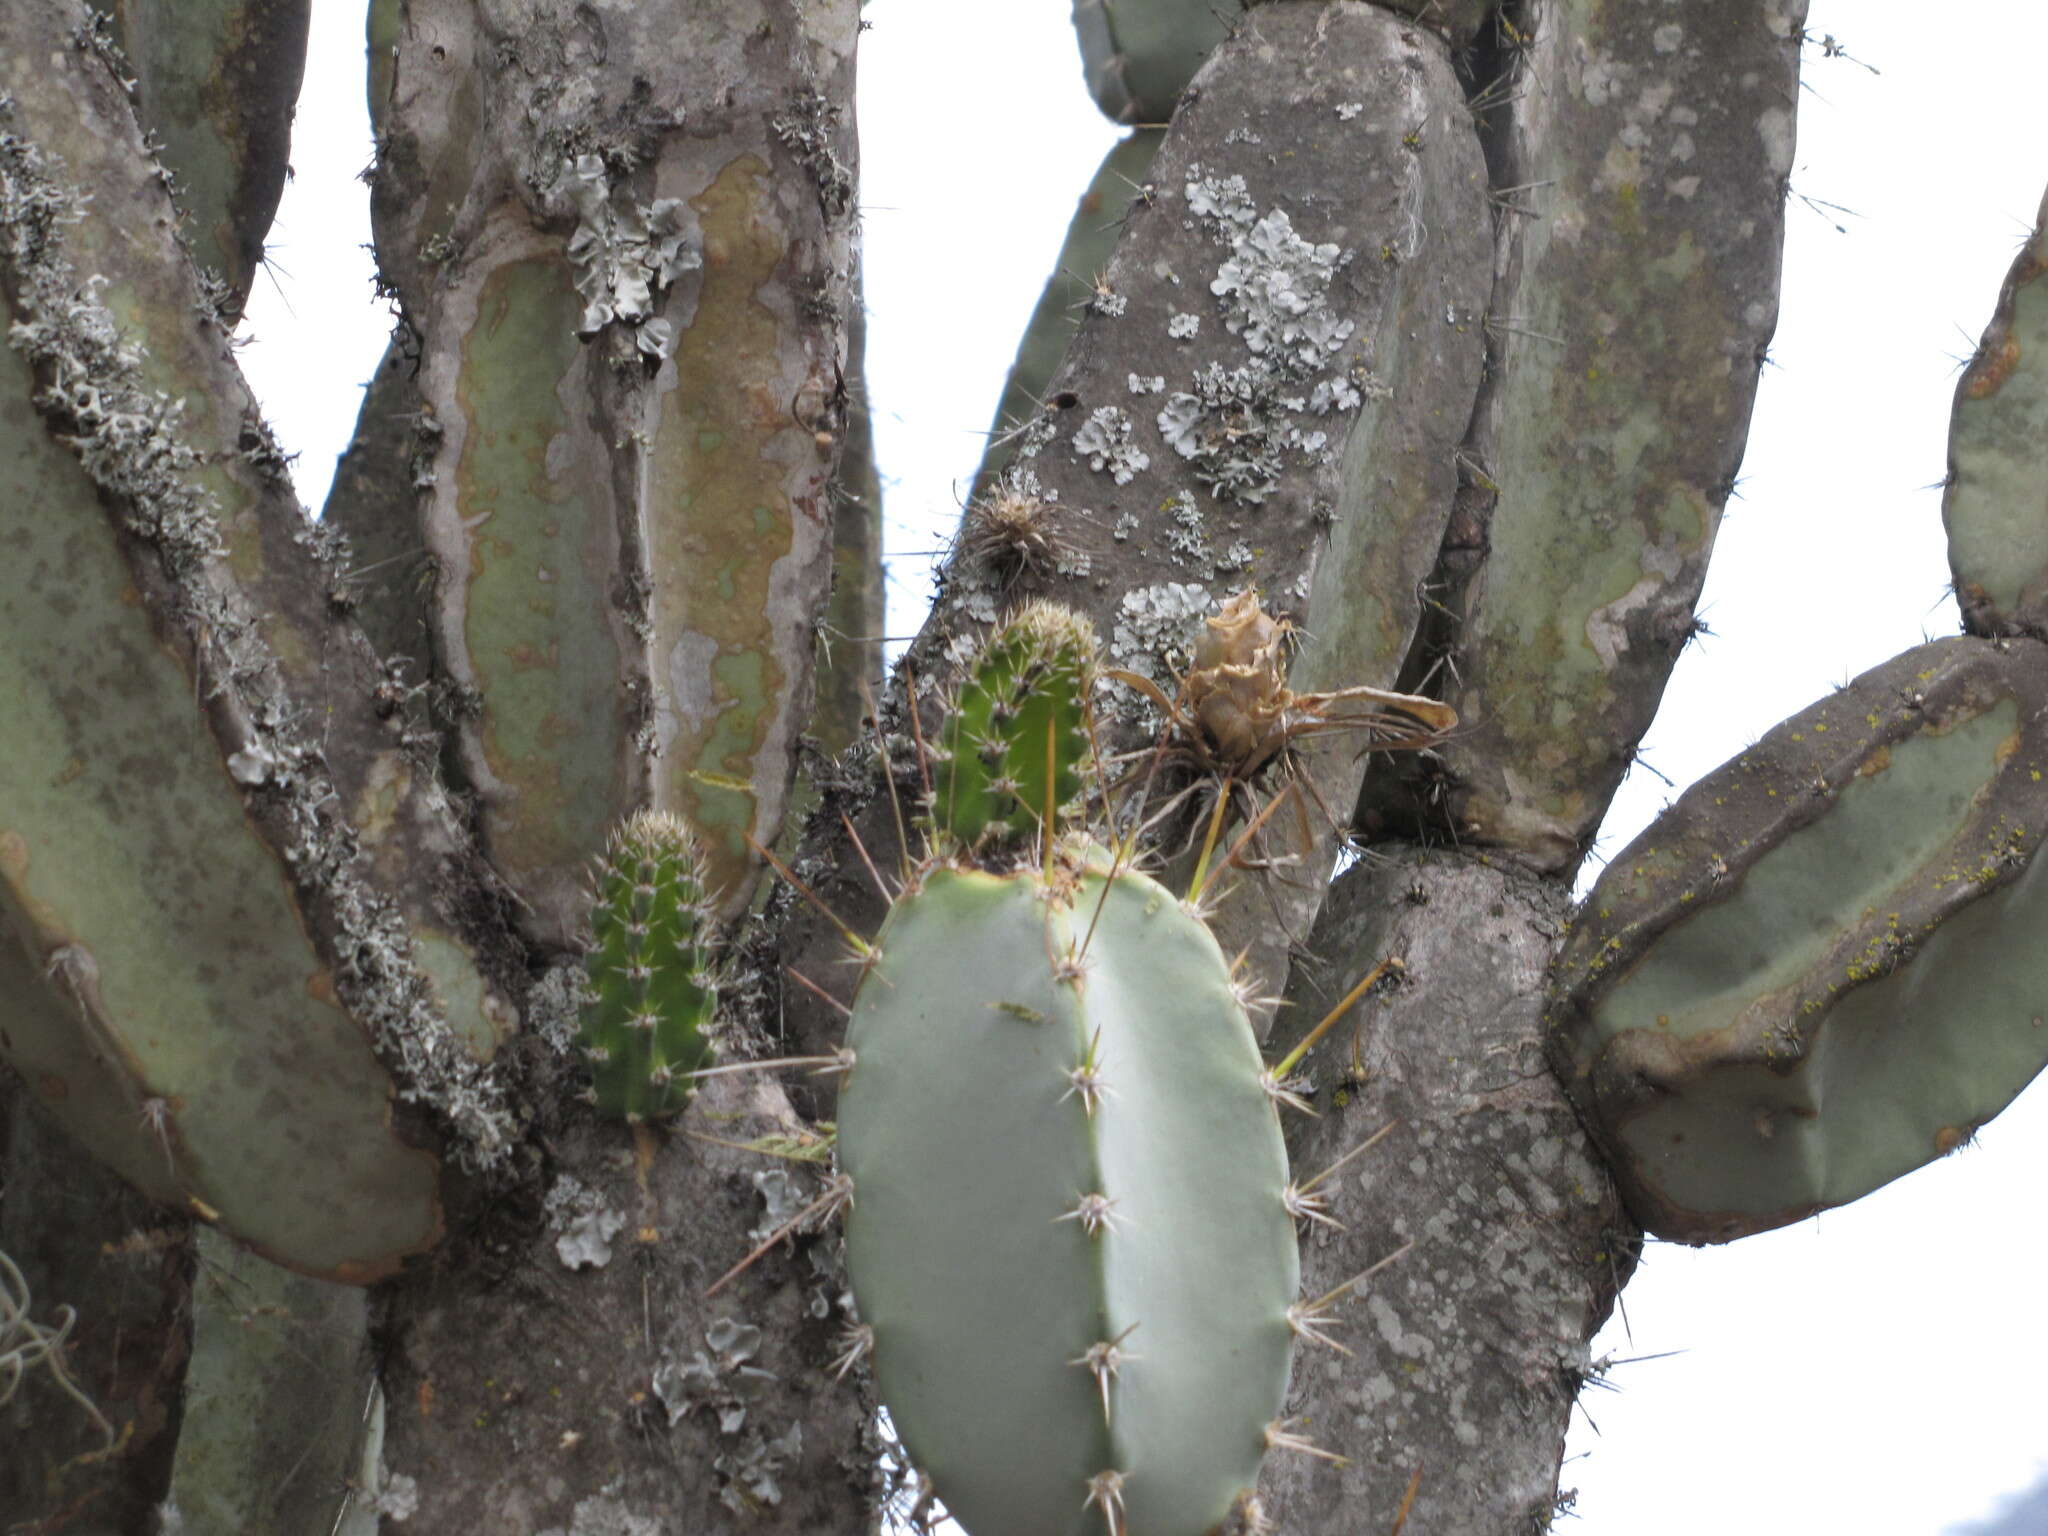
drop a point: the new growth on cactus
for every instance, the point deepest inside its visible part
(653, 979)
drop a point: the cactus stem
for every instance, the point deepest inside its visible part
(1279, 1437)
(855, 1344)
(1371, 979)
(1106, 1492)
(1095, 1212)
(1104, 1360)
(860, 945)
(811, 986)
(837, 1197)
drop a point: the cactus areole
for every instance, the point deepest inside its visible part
(1068, 1232)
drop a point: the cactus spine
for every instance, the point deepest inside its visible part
(1071, 1235)
(654, 985)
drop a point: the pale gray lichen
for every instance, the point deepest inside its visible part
(625, 254)
(1126, 525)
(808, 132)
(1275, 289)
(584, 1221)
(1224, 198)
(751, 1470)
(555, 1004)
(398, 1499)
(1107, 301)
(721, 1381)
(605, 1514)
(129, 439)
(784, 1199)
(1182, 326)
(1154, 636)
(1151, 384)
(1105, 442)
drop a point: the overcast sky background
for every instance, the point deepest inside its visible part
(1882, 1369)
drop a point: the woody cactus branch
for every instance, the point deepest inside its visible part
(628, 313)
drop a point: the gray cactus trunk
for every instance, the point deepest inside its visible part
(1438, 324)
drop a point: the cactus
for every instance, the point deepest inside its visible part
(1792, 987)
(653, 980)
(1015, 743)
(1070, 1241)
(1434, 323)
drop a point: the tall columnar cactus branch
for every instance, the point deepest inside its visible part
(1201, 440)
(135, 1023)
(1633, 299)
(1991, 504)
(217, 80)
(630, 347)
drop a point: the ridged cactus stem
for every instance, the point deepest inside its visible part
(652, 973)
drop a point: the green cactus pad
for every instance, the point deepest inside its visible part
(1015, 745)
(1051, 1159)
(1813, 973)
(653, 983)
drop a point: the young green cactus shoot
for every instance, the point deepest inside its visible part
(653, 984)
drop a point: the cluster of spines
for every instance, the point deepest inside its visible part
(1015, 746)
(653, 983)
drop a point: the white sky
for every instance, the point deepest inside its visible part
(1883, 1369)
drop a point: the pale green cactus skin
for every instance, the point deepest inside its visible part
(652, 973)
(1806, 979)
(1015, 747)
(1997, 537)
(968, 1142)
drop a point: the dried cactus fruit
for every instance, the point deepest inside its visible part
(1236, 714)
(653, 980)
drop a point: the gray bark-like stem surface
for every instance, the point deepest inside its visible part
(1467, 1351)
(628, 264)
(573, 1369)
(1640, 173)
